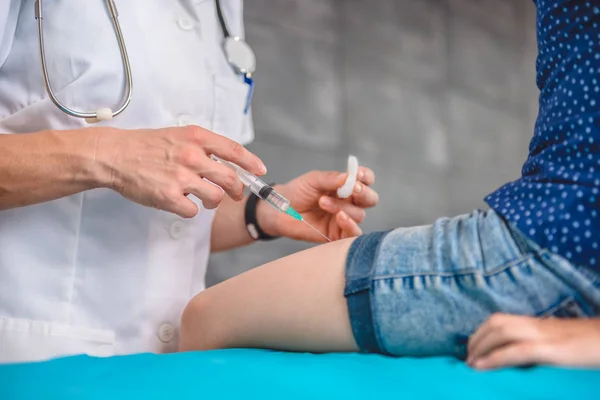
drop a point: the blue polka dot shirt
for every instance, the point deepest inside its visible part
(556, 201)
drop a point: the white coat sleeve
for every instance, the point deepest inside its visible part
(9, 13)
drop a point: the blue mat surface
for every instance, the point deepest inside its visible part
(257, 374)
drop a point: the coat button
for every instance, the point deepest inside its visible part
(185, 23)
(176, 229)
(166, 333)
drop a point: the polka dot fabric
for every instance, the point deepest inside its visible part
(557, 202)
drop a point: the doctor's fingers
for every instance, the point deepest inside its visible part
(364, 196)
(349, 227)
(219, 174)
(227, 149)
(174, 198)
(334, 206)
(210, 194)
(329, 181)
(171, 199)
(366, 176)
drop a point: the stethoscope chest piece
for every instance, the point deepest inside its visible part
(241, 58)
(239, 55)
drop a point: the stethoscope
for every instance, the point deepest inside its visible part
(238, 53)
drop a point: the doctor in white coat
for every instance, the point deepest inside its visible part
(105, 229)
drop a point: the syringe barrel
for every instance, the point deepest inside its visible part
(250, 181)
(257, 186)
(273, 198)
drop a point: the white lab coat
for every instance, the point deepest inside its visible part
(94, 273)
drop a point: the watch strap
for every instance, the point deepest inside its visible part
(251, 220)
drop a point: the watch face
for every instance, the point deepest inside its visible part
(239, 55)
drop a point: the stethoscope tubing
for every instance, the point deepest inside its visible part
(124, 57)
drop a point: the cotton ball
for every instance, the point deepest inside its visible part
(346, 190)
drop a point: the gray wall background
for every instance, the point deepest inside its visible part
(438, 97)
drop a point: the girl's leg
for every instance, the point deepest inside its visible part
(412, 292)
(295, 303)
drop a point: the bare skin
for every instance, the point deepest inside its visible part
(313, 196)
(155, 168)
(511, 340)
(160, 168)
(296, 303)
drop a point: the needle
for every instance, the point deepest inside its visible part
(316, 230)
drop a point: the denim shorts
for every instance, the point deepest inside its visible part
(423, 291)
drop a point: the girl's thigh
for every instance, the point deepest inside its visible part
(410, 291)
(424, 290)
(295, 303)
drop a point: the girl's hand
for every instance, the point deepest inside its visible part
(511, 340)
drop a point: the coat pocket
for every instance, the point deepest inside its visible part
(229, 119)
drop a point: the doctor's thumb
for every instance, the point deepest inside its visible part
(327, 180)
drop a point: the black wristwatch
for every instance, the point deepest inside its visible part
(252, 226)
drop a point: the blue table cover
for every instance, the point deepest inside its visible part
(258, 374)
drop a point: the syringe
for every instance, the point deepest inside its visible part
(265, 192)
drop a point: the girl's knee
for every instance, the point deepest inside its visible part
(197, 330)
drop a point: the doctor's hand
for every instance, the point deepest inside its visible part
(160, 167)
(314, 196)
(511, 340)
